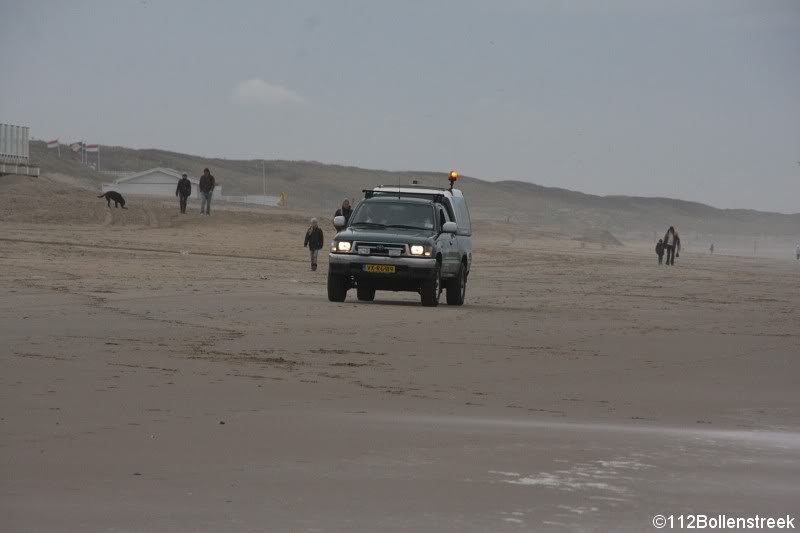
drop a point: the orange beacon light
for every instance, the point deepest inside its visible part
(452, 177)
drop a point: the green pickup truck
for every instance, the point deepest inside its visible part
(409, 238)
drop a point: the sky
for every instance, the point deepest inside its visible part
(698, 100)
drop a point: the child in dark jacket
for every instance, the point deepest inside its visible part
(314, 240)
(660, 251)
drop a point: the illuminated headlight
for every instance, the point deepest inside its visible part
(417, 249)
(341, 246)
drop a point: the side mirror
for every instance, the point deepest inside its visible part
(450, 227)
(338, 222)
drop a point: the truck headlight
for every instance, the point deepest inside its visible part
(341, 246)
(418, 249)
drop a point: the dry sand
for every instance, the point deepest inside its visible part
(161, 372)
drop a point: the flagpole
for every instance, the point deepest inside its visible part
(98, 158)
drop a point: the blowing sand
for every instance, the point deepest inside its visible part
(186, 373)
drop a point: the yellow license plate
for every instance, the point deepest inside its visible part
(380, 269)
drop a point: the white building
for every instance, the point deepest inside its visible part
(15, 151)
(154, 182)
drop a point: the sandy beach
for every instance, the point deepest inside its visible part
(162, 372)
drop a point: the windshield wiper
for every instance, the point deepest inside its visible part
(371, 224)
(404, 226)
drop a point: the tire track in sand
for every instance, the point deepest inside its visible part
(155, 250)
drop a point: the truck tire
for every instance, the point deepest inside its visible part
(457, 287)
(337, 289)
(365, 293)
(432, 288)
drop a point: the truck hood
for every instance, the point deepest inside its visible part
(388, 235)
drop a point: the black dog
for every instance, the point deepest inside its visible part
(116, 197)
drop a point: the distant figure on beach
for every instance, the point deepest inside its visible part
(207, 184)
(797, 251)
(660, 251)
(313, 241)
(672, 245)
(345, 211)
(711, 248)
(183, 191)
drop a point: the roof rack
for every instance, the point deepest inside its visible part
(417, 186)
(437, 197)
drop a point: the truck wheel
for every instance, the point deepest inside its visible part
(337, 290)
(365, 293)
(431, 288)
(457, 287)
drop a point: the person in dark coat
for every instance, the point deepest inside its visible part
(183, 192)
(314, 240)
(660, 251)
(345, 211)
(207, 184)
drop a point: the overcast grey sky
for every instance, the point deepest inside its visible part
(698, 100)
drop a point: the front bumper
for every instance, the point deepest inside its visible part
(407, 269)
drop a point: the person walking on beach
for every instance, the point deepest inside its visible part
(345, 211)
(660, 250)
(711, 248)
(207, 184)
(183, 192)
(672, 245)
(313, 241)
(797, 251)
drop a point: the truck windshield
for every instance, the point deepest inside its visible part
(394, 214)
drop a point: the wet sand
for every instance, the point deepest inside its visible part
(176, 373)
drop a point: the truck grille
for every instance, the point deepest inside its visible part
(380, 248)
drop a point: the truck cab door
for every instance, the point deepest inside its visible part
(447, 243)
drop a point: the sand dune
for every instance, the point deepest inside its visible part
(313, 186)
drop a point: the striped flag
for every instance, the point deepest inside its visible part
(52, 144)
(92, 148)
